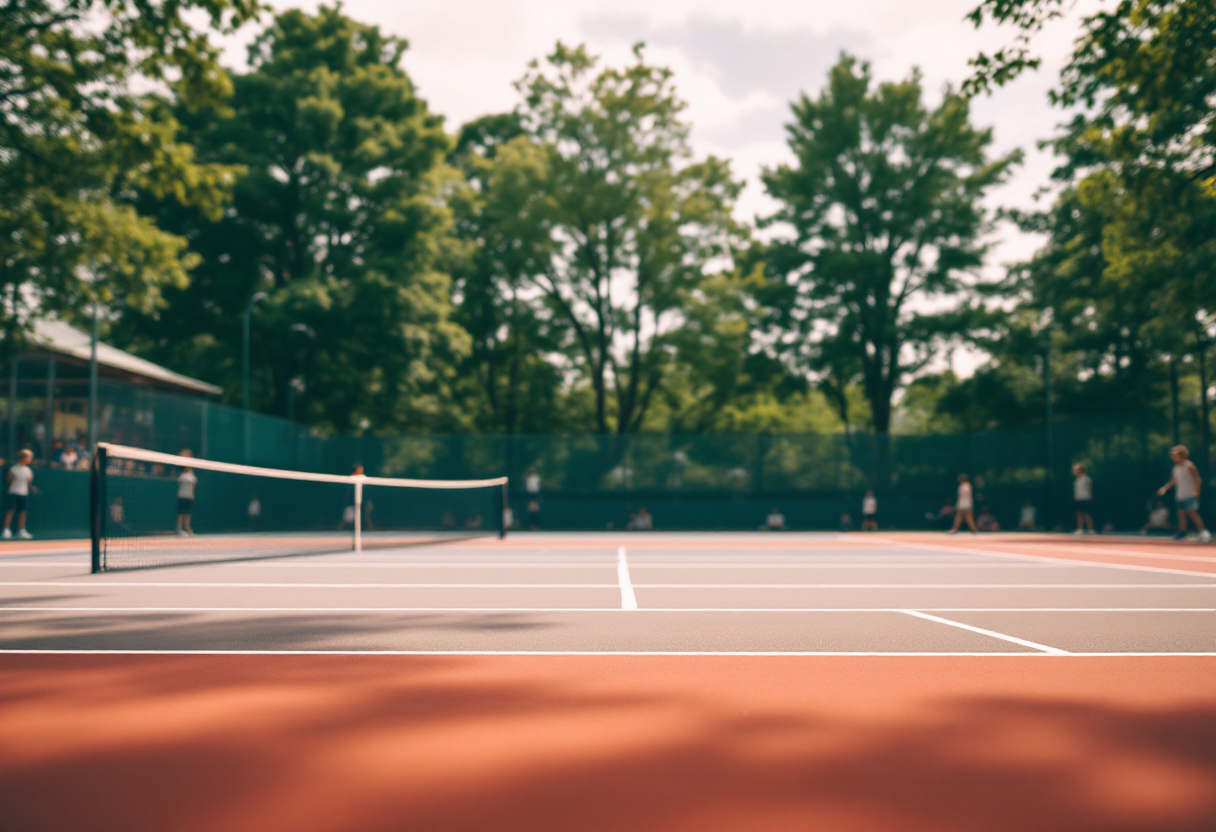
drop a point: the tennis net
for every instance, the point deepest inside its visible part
(151, 509)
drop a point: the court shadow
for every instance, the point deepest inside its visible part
(297, 631)
(383, 744)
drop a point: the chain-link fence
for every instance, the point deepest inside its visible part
(685, 481)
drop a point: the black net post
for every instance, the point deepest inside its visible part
(97, 501)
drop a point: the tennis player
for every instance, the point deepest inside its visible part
(185, 499)
(20, 480)
(1082, 498)
(964, 506)
(1186, 483)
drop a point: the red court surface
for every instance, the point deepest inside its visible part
(600, 682)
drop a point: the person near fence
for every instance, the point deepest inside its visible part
(775, 521)
(20, 483)
(1028, 519)
(1186, 482)
(186, 481)
(1082, 499)
(1158, 520)
(964, 506)
(869, 512)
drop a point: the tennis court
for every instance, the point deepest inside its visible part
(599, 681)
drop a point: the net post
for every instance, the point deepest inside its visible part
(502, 515)
(97, 506)
(358, 515)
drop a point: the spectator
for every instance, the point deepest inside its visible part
(255, 512)
(532, 482)
(645, 522)
(775, 521)
(1082, 498)
(186, 481)
(448, 520)
(869, 512)
(473, 522)
(1026, 522)
(533, 514)
(118, 514)
(40, 436)
(846, 522)
(987, 521)
(20, 484)
(1158, 520)
(631, 525)
(68, 458)
(56, 453)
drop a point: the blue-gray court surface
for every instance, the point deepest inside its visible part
(621, 593)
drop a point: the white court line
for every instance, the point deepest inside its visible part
(1045, 559)
(138, 610)
(726, 653)
(629, 601)
(994, 634)
(385, 585)
(1118, 552)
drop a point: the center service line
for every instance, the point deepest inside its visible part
(629, 601)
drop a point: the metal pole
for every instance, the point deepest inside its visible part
(1174, 400)
(1205, 427)
(93, 385)
(97, 509)
(12, 410)
(1048, 514)
(245, 324)
(245, 376)
(48, 421)
(506, 507)
(359, 515)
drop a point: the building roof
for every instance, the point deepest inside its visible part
(64, 339)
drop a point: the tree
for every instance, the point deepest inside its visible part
(632, 224)
(339, 216)
(885, 230)
(513, 374)
(76, 140)
(1128, 275)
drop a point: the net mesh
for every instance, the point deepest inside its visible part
(153, 509)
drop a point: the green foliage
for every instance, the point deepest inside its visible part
(338, 214)
(75, 142)
(884, 211)
(630, 225)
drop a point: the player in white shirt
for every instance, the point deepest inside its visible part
(20, 481)
(869, 512)
(775, 521)
(185, 499)
(1186, 483)
(1082, 499)
(964, 506)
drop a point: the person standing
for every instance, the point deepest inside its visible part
(1082, 498)
(20, 481)
(964, 506)
(185, 499)
(1186, 483)
(869, 512)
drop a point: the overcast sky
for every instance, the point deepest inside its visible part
(738, 63)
